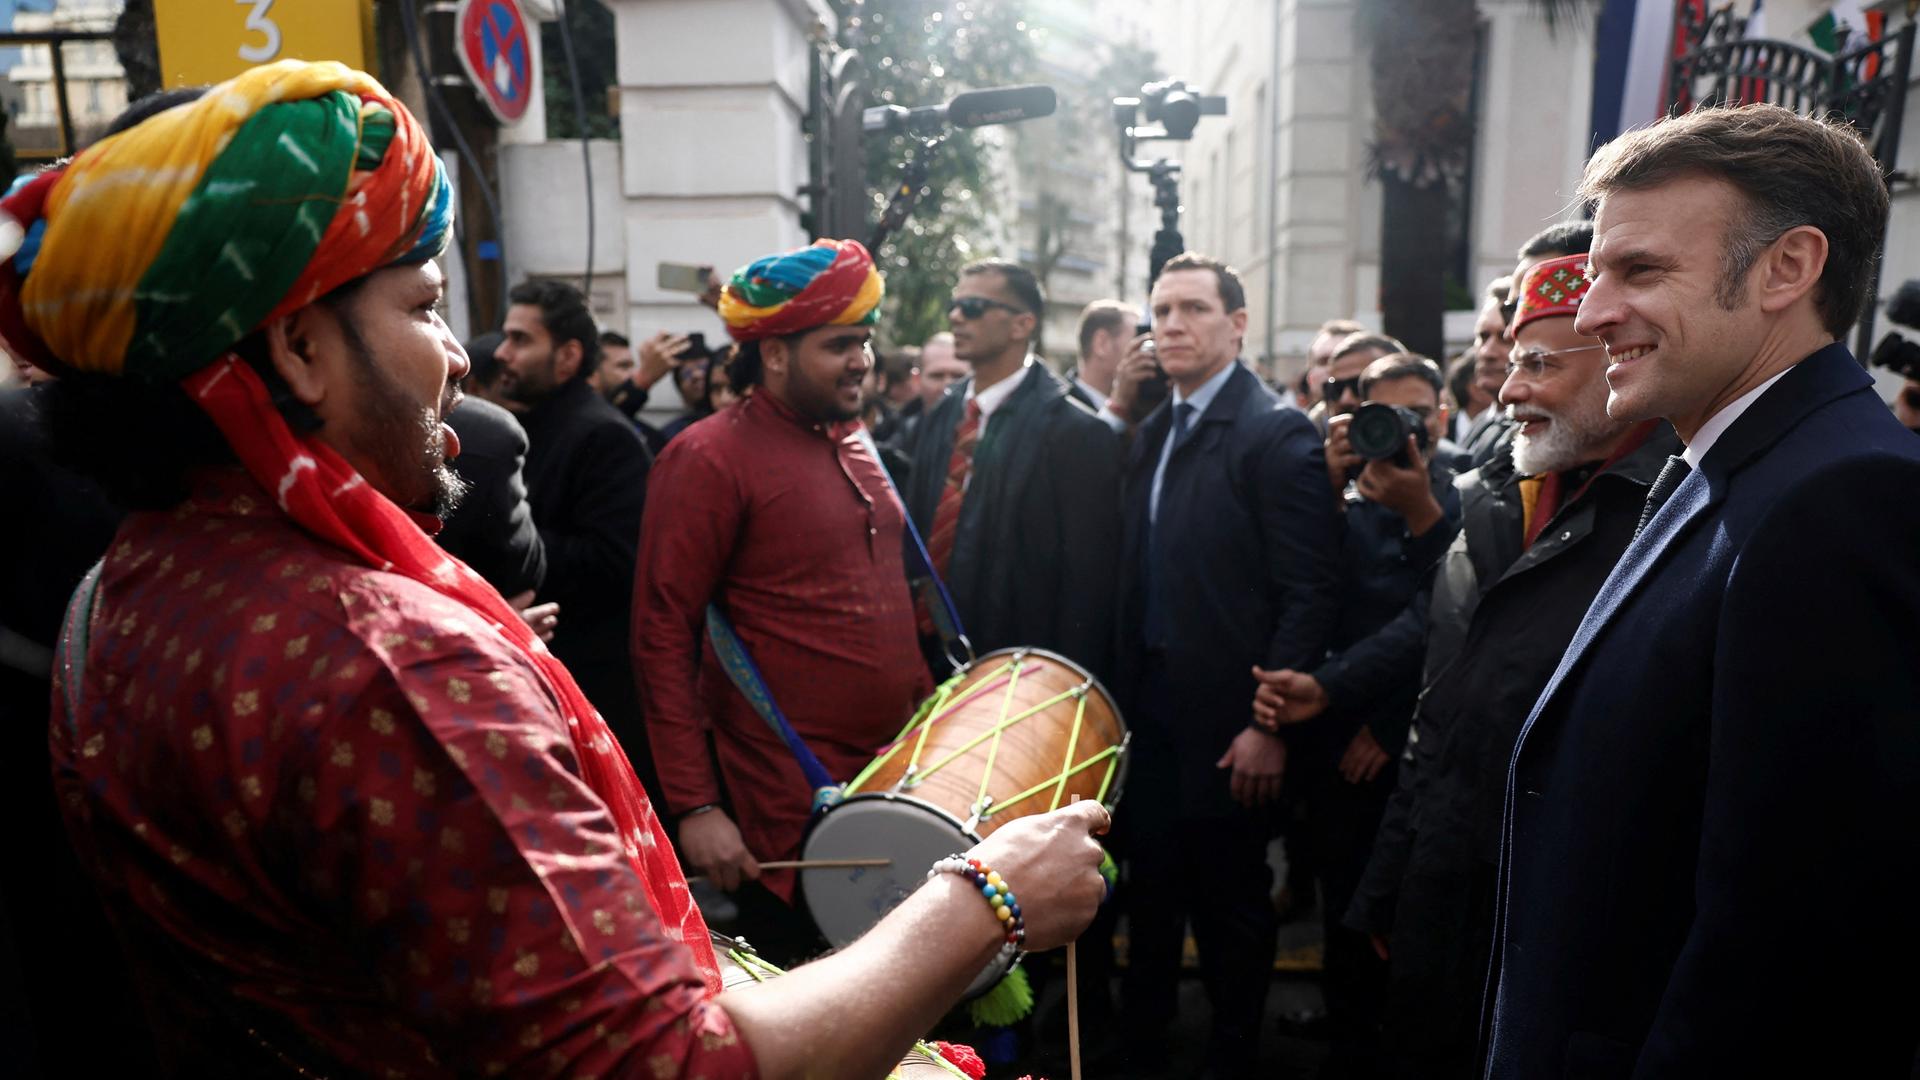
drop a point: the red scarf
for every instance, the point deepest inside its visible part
(323, 494)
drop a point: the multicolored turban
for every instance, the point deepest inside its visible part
(156, 250)
(169, 242)
(1554, 287)
(832, 283)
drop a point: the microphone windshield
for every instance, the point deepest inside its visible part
(1000, 105)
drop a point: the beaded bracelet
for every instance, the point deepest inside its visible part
(996, 891)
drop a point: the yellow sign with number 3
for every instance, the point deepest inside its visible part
(210, 41)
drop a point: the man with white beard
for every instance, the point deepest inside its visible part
(1543, 523)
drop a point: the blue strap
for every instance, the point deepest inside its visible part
(739, 666)
(946, 617)
(745, 674)
(75, 631)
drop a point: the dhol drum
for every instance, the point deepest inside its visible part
(741, 966)
(1017, 732)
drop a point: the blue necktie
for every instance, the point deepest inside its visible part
(1154, 618)
(1671, 474)
(1182, 415)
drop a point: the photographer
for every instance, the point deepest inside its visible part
(1902, 357)
(1340, 394)
(1402, 511)
(704, 384)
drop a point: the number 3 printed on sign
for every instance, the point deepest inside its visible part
(257, 20)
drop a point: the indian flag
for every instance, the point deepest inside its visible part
(1862, 26)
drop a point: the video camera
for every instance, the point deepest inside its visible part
(1170, 103)
(1896, 353)
(1171, 110)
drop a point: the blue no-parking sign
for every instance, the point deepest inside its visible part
(497, 53)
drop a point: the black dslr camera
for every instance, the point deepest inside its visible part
(1380, 432)
(1896, 353)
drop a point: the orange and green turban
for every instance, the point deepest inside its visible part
(158, 249)
(832, 283)
(155, 250)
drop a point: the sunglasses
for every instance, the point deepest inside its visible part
(1335, 389)
(1911, 396)
(972, 307)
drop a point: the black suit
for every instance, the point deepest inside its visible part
(1033, 554)
(1247, 542)
(492, 529)
(1485, 438)
(586, 481)
(1709, 858)
(1079, 393)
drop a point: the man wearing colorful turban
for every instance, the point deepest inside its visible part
(351, 817)
(781, 515)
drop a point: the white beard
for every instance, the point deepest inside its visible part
(1575, 437)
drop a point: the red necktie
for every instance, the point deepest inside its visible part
(946, 515)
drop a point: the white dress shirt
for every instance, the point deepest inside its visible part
(1719, 422)
(996, 395)
(1107, 416)
(1201, 398)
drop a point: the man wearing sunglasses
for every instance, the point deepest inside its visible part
(1015, 484)
(1340, 395)
(1543, 523)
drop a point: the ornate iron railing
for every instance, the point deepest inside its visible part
(1866, 84)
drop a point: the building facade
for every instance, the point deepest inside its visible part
(95, 84)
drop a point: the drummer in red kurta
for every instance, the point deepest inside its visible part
(349, 817)
(781, 515)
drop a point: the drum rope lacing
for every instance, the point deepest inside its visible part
(943, 704)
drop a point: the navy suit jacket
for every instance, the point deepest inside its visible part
(1712, 829)
(1251, 559)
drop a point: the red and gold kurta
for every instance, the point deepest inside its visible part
(342, 825)
(791, 527)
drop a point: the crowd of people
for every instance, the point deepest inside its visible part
(391, 733)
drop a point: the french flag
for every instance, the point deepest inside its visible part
(1636, 43)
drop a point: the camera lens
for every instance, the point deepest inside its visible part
(1378, 431)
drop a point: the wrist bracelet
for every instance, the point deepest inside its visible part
(997, 892)
(698, 810)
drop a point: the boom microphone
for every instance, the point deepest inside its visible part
(975, 108)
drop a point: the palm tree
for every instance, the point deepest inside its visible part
(1422, 72)
(1422, 68)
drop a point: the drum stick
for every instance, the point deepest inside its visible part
(1073, 997)
(1073, 1009)
(811, 864)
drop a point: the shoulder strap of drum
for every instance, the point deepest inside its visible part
(75, 630)
(745, 675)
(946, 617)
